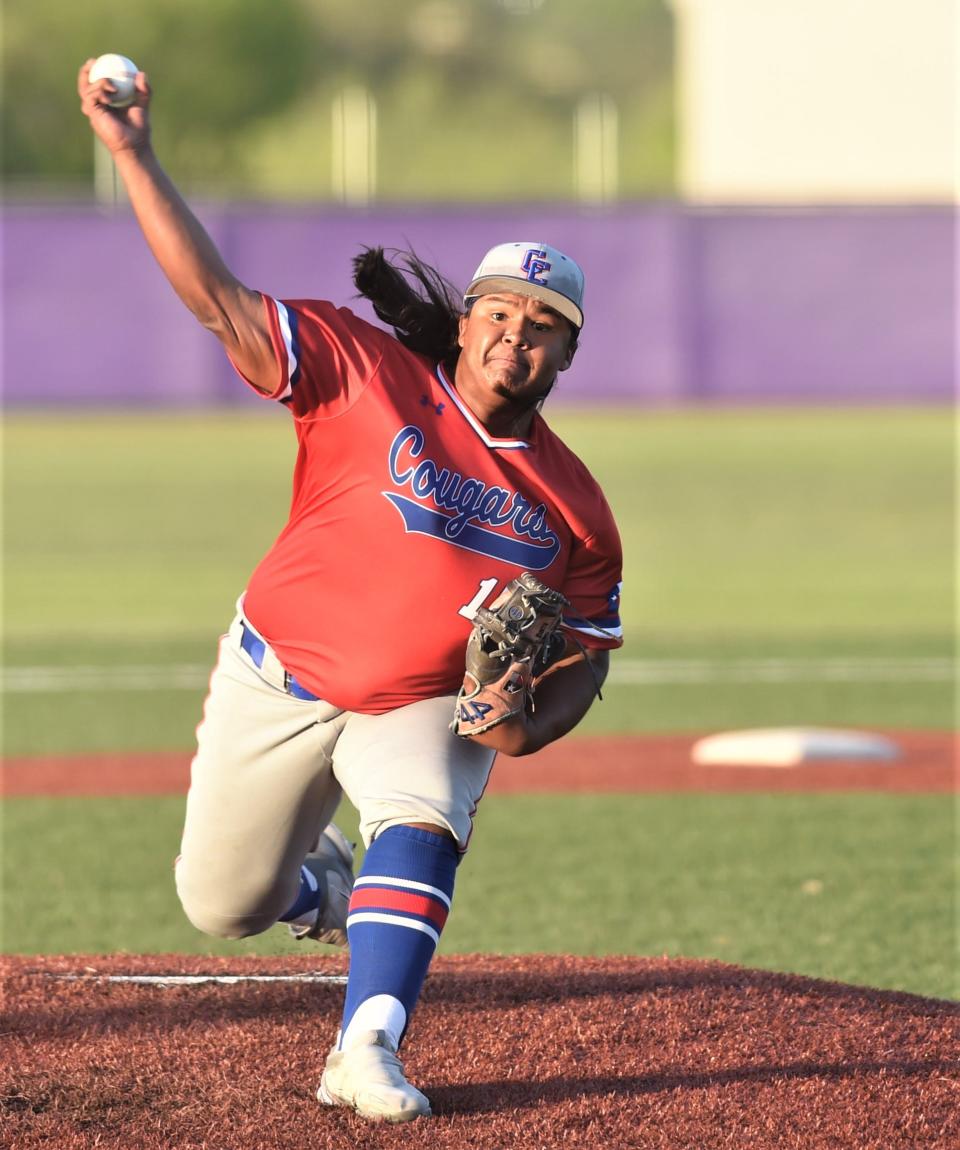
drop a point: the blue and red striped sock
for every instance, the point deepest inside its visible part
(397, 910)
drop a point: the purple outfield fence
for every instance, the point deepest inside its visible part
(827, 305)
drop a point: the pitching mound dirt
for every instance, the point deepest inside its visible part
(517, 1052)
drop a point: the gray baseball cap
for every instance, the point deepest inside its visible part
(531, 269)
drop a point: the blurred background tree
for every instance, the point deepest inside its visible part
(475, 99)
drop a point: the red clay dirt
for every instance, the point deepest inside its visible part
(529, 1052)
(600, 763)
(519, 1052)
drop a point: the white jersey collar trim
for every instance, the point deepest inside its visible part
(488, 440)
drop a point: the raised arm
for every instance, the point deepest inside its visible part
(189, 259)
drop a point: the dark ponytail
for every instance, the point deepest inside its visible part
(421, 306)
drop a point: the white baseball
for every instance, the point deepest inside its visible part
(121, 72)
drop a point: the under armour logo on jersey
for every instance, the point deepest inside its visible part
(426, 401)
(535, 263)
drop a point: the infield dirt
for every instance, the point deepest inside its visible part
(599, 764)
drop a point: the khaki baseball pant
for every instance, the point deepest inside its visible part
(268, 775)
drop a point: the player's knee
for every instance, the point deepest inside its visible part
(220, 926)
(213, 921)
(226, 911)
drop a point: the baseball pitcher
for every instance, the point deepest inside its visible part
(446, 588)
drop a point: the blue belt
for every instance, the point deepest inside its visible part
(256, 649)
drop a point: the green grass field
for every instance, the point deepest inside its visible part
(818, 541)
(850, 887)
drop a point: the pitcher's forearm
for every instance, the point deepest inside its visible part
(561, 700)
(193, 265)
(189, 258)
(185, 252)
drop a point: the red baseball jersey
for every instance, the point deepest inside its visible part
(407, 516)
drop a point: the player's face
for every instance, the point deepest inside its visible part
(513, 348)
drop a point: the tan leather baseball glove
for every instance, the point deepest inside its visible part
(512, 644)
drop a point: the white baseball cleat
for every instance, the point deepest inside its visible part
(331, 864)
(369, 1078)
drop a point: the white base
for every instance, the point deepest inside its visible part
(789, 747)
